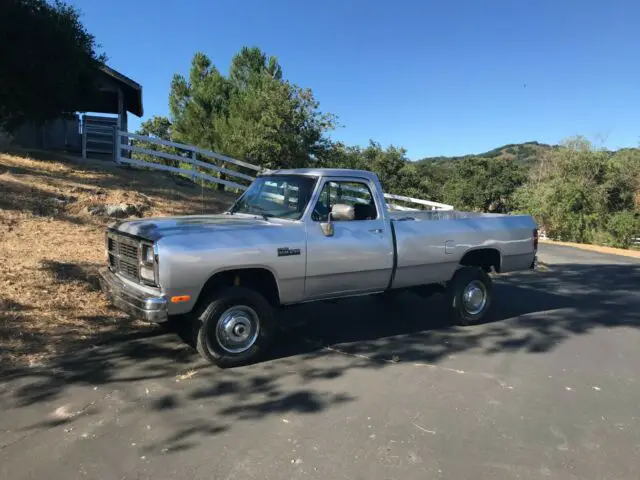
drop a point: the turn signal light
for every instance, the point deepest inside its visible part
(180, 298)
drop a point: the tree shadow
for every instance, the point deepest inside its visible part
(39, 202)
(186, 196)
(46, 195)
(66, 272)
(533, 313)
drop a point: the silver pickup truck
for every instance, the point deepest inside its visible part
(298, 236)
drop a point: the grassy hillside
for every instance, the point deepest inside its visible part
(522, 153)
(51, 247)
(525, 154)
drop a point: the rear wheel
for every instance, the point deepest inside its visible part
(234, 328)
(469, 295)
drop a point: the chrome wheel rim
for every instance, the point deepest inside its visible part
(237, 329)
(474, 297)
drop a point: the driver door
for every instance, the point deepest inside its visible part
(358, 258)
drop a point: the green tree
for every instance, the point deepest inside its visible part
(433, 177)
(253, 114)
(484, 184)
(339, 155)
(250, 65)
(48, 61)
(156, 127)
(583, 194)
(622, 180)
(387, 163)
(199, 106)
(622, 227)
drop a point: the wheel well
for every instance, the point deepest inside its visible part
(485, 258)
(259, 279)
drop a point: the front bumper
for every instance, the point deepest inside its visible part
(137, 304)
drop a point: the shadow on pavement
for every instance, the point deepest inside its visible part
(532, 313)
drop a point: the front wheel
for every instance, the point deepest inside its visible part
(234, 328)
(469, 295)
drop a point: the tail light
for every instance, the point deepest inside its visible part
(535, 239)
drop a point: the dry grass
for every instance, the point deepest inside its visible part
(51, 248)
(598, 248)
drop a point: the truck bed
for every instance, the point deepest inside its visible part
(429, 250)
(437, 215)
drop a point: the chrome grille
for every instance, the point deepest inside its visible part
(129, 269)
(128, 251)
(123, 253)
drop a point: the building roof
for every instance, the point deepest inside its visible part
(110, 81)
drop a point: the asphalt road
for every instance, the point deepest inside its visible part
(548, 388)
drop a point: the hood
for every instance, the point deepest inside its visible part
(156, 228)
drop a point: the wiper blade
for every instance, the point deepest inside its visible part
(260, 211)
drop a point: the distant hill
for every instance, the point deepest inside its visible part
(522, 153)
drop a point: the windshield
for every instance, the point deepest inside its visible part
(280, 196)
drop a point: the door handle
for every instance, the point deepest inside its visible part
(376, 230)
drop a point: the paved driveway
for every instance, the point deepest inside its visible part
(549, 388)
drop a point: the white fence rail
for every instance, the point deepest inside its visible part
(190, 165)
(429, 203)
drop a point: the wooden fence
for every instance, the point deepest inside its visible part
(198, 164)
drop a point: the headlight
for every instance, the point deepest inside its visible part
(148, 254)
(148, 264)
(148, 273)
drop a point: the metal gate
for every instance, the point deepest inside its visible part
(99, 136)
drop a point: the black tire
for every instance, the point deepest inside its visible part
(210, 339)
(461, 311)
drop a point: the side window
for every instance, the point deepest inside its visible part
(356, 194)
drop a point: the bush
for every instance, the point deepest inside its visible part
(623, 227)
(584, 195)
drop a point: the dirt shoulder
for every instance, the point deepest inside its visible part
(597, 248)
(51, 247)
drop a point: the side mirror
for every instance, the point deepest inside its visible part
(338, 212)
(327, 227)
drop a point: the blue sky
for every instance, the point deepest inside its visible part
(443, 77)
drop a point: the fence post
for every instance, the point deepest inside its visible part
(222, 176)
(193, 164)
(84, 139)
(116, 145)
